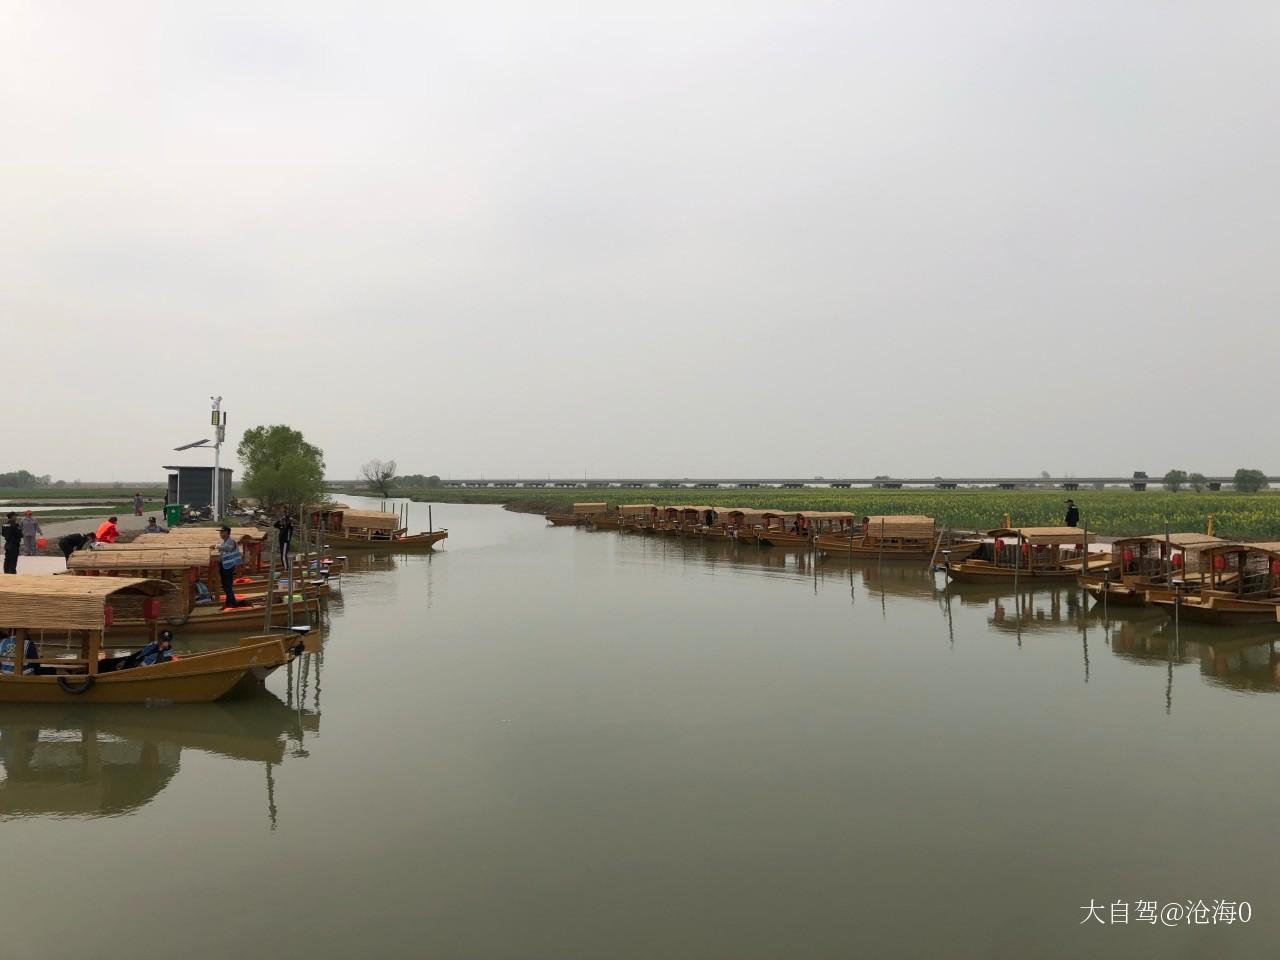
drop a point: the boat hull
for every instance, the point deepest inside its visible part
(1222, 611)
(983, 571)
(837, 547)
(200, 678)
(413, 541)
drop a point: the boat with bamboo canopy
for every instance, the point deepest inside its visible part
(1030, 555)
(193, 572)
(251, 576)
(370, 530)
(637, 516)
(1242, 587)
(77, 615)
(799, 529)
(684, 520)
(914, 538)
(1142, 566)
(732, 523)
(597, 515)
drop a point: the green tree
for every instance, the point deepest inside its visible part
(1198, 482)
(1249, 481)
(1175, 479)
(280, 468)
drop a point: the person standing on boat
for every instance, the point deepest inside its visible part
(285, 526)
(12, 534)
(1073, 514)
(30, 530)
(229, 557)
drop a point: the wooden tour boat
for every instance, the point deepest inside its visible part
(800, 529)
(1242, 587)
(914, 538)
(1140, 568)
(637, 516)
(370, 530)
(733, 523)
(74, 614)
(193, 571)
(1030, 555)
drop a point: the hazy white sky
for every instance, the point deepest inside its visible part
(676, 239)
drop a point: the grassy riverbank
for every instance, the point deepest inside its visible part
(1108, 512)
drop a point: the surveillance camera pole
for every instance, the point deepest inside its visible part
(218, 419)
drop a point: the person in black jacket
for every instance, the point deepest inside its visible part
(285, 526)
(73, 542)
(1073, 514)
(12, 534)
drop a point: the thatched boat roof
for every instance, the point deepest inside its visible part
(1043, 535)
(901, 527)
(1183, 541)
(147, 558)
(370, 519)
(209, 535)
(587, 509)
(79, 603)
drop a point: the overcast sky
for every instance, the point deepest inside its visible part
(681, 239)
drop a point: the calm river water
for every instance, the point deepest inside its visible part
(552, 743)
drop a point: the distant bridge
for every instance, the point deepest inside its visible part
(1139, 482)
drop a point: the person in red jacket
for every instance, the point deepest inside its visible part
(107, 531)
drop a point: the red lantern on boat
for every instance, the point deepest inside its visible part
(1177, 561)
(1219, 562)
(999, 545)
(1128, 556)
(1275, 568)
(1026, 549)
(108, 615)
(151, 608)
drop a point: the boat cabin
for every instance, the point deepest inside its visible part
(358, 524)
(56, 626)
(187, 568)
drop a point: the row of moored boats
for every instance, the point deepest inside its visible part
(1208, 578)
(103, 631)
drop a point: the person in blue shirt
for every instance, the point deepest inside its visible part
(9, 653)
(229, 558)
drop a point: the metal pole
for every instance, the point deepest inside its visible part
(271, 588)
(1017, 558)
(1168, 555)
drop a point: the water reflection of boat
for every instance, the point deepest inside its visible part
(1032, 611)
(901, 579)
(59, 761)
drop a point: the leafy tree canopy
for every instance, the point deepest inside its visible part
(281, 468)
(1250, 481)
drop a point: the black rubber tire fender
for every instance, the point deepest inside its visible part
(84, 687)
